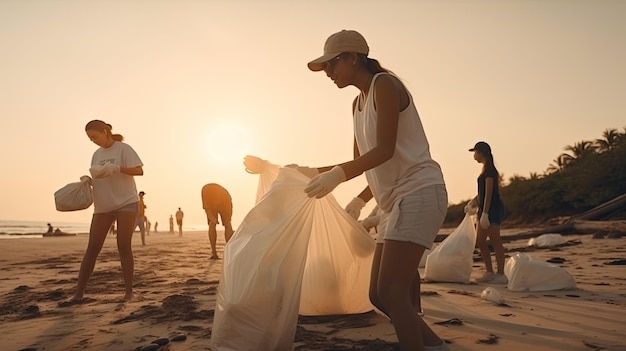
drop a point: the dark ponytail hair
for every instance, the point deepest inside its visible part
(100, 126)
(372, 65)
(489, 165)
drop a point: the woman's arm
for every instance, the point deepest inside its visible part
(488, 192)
(366, 194)
(133, 171)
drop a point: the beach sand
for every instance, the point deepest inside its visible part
(176, 282)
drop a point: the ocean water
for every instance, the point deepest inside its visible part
(34, 230)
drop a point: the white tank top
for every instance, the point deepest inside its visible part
(411, 167)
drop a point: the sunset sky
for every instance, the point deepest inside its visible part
(194, 86)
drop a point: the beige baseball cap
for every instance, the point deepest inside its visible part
(340, 42)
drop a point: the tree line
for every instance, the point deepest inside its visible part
(586, 175)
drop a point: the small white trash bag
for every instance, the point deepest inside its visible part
(452, 260)
(74, 196)
(527, 274)
(546, 240)
(493, 295)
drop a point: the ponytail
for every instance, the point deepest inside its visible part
(372, 65)
(489, 165)
(100, 126)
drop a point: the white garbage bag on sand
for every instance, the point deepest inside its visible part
(527, 274)
(546, 240)
(74, 196)
(292, 254)
(452, 260)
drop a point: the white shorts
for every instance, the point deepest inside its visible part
(416, 217)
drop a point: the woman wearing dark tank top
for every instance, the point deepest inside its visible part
(491, 212)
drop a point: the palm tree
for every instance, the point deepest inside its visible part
(516, 178)
(611, 139)
(580, 149)
(559, 163)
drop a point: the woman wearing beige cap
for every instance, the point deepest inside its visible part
(391, 148)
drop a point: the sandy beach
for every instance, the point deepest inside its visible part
(176, 282)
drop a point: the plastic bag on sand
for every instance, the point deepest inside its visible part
(546, 240)
(74, 196)
(291, 254)
(526, 274)
(493, 295)
(452, 261)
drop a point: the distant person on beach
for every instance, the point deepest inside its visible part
(391, 148)
(141, 218)
(156, 227)
(179, 221)
(171, 224)
(491, 213)
(113, 168)
(216, 201)
(50, 229)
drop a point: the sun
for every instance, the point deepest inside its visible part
(228, 143)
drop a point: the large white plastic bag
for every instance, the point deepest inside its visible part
(452, 260)
(74, 196)
(337, 274)
(527, 274)
(339, 263)
(259, 295)
(267, 173)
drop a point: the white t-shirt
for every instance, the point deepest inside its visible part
(117, 190)
(411, 167)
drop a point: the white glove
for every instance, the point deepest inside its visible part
(470, 209)
(307, 171)
(254, 164)
(354, 207)
(370, 222)
(322, 184)
(104, 171)
(484, 221)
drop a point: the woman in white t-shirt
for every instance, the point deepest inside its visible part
(113, 167)
(391, 148)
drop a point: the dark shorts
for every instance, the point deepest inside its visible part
(497, 214)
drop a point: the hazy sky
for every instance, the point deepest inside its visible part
(194, 86)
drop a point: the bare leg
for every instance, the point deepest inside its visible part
(398, 263)
(228, 231)
(481, 242)
(126, 226)
(100, 225)
(213, 239)
(373, 292)
(498, 248)
(142, 229)
(415, 293)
